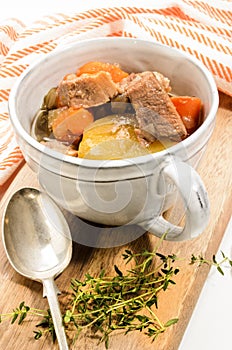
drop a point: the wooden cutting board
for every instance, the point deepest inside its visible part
(178, 301)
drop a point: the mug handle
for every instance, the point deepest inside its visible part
(195, 200)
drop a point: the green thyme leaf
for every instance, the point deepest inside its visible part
(118, 271)
(14, 318)
(171, 322)
(220, 270)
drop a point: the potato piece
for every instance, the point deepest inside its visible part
(112, 137)
(70, 123)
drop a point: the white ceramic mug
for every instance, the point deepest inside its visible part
(130, 191)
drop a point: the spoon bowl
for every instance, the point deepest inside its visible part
(38, 244)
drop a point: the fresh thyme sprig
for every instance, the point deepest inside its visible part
(20, 313)
(123, 302)
(200, 260)
(126, 301)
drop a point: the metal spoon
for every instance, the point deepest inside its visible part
(38, 244)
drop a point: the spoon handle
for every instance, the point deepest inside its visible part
(50, 291)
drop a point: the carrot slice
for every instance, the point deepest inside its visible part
(117, 73)
(70, 123)
(189, 108)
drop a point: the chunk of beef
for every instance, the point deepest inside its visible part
(164, 81)
(155, 112)
(87, 90)
(134, 77)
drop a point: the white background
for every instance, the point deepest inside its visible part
(210, 325)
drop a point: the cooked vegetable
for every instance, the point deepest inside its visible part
(112, 137)
(70, 123)
(50, 99)
(117, 73)
(115, 137)
(189, 108)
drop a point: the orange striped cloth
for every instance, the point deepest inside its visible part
(201, 28)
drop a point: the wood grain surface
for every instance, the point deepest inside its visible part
(179, 301)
